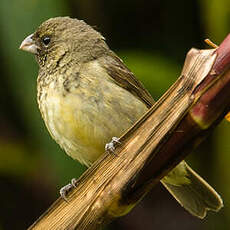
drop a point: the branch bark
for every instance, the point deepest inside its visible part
(175, 125)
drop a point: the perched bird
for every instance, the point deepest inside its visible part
(87, 95)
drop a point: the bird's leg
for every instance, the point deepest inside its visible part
(67, 188)
(111, 146)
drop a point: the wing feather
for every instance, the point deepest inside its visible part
(125, 78)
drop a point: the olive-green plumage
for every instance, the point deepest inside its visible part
(86, 96)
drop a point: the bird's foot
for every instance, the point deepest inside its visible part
(67, 188)
(111, 146)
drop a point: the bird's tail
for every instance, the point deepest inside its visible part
(196, 195)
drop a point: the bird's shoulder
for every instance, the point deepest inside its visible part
(122, 76)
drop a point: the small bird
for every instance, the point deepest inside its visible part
(87, 96)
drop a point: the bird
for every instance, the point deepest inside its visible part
(88, 96)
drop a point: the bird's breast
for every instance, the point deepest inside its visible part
(83, 119)
(59, 108)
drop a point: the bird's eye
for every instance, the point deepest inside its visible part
(46, 40)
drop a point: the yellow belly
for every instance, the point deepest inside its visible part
(83, 121)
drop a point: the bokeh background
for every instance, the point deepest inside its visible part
(152, 37)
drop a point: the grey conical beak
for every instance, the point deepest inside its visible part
(29, 45)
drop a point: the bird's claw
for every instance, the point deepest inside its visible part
(67, 188)
(111, 146)
(74, 182)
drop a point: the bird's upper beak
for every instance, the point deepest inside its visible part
(29, 45)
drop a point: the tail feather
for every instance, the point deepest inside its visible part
(196, 196)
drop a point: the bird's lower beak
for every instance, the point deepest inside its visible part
(29, 45)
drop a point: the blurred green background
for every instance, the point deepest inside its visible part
(152, 37)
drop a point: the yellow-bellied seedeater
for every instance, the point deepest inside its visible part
(87, 95)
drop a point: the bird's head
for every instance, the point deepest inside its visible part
(61, 40)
